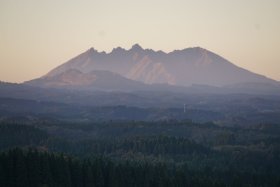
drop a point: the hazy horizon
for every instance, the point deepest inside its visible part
(36, 37)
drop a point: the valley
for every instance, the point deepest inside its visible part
(141, 117)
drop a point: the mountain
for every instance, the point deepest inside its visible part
(180, 67)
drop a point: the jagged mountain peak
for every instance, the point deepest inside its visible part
(136, 47)
(91, 51)
(118, 50)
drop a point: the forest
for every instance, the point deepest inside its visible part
(137, 153)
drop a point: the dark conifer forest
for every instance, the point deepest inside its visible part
(135, 153)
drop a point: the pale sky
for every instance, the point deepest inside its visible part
(38, 35)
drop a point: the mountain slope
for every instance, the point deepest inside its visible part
(180, 67)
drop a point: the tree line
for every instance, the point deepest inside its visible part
(21, 168)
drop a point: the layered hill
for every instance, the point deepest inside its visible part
(97, 79)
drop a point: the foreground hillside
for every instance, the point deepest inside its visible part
(33, 168)
(138, 154)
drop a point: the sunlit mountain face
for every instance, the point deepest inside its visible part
(180, 67)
